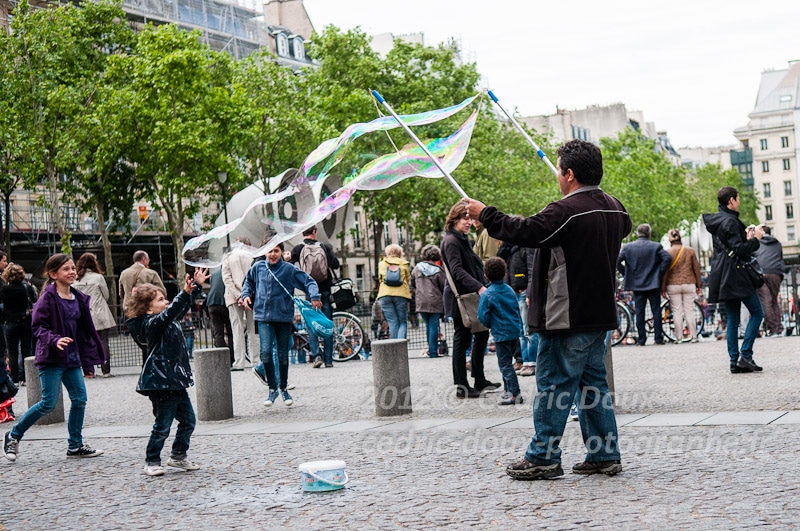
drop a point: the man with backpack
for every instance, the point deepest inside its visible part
(317, 259)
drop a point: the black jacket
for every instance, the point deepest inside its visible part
(576, 241)
(728, 279)
(464, 265)
(770, 256)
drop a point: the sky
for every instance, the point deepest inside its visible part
(692, 67)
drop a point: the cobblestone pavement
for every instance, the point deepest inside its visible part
(446, 476)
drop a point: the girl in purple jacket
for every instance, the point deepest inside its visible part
(67, 340)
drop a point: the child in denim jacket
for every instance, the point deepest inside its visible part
(498, 310)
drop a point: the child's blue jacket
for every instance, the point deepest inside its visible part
(499, 311)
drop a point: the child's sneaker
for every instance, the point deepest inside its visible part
(154, 470)
(271, 398)
(287, 398)
(10, 445)
(573, 412)
(84, 451)
(182, 463)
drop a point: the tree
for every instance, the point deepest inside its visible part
(55, 59)
(173, 97)
(707, 181)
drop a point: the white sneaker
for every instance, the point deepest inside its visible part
(183, 463)
(154, 470)
(573, 412)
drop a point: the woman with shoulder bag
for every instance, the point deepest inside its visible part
(465, 268)
(680, 284)
(92, 283)
(17, 296)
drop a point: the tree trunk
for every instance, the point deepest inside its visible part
(52, 181)
(175, 220)
(6, 225)
(107, 257)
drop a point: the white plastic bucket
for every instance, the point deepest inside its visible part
(320, 476)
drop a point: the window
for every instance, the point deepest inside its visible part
(787, 188)
(282, 43)
(784, 141)
(768, 212)
(767, 190)
(790, 212)
(298, 50)
(790, 235)
(786, 164)
(360, 278)
(765, 166)
(745, 144)
(386, 238)
(763, 144)
(357, 231)
(401, 239)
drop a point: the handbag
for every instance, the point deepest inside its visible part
(753, 269)
(315, 321)
(467, 306)
(343, 294)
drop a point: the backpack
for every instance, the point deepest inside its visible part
(314, 261)
(393, 277)
(518, 268)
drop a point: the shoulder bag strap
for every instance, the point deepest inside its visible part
(675, 260)
(450, 280)
(278, 281)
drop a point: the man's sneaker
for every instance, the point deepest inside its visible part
(329, 365)
(528, 370)
(573, 412)
(510, 400)
(609, 468)
(154, 470)
(84, 451)
(260, 374)
(10, 445)
(525, 470)
(271, 398)
(287, 398)
(182, 463)
(736, 370)
(318, 362)
(518, 366)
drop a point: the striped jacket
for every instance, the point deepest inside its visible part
(577, 240)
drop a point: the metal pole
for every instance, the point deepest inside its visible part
(449, 177)
(526, 135)
(225, 210)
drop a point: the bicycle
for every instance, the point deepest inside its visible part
(667, 321)
(624, 323)
(348, 337)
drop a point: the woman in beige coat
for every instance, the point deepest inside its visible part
(92, 283)
(680, 284)
(394, 292)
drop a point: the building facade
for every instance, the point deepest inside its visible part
(769, 140)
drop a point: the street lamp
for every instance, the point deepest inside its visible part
(222, 176)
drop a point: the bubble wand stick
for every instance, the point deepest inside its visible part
(526, 135)
(449, 177)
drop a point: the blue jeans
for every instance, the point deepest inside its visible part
(734, 309)
(505, 361)
(51, 379)
(279, 333)
(395, 311)
(169, 406)
(533, 349)
(567, 363)
(523, 314)
(327, 343)
(640, 300)
(190, 345)
(431, 321)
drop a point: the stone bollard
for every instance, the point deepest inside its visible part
(391, 377)
(34, 385)
(212, 375)
(609, 361)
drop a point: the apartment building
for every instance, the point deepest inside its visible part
(770, 141)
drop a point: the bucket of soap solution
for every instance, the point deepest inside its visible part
(321, 476)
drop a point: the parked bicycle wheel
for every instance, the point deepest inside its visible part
(624, 320)
(348, 336)
(669, 325)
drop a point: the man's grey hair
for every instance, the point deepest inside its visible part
(644, 231)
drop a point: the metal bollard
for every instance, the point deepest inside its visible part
(34, 385)
(391, 378)
(212, 375)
